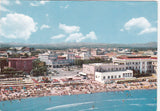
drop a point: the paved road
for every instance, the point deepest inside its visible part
(61, 72)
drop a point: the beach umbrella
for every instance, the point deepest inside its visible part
(24, 87)
(10, 88)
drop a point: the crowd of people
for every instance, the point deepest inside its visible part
(11, 92)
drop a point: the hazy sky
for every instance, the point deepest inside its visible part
(77, 21)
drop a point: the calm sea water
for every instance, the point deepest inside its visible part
(135, 100)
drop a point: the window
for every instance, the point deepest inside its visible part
(123, 74)
(119, 76)
(115, 76)
(108, 77)
(111, 77)
(104, 77)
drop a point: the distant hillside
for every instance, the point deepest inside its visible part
(78, 45)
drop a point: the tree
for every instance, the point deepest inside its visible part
(39, 68)
(33, 53)
(15, 55)
(3, 63)
(96, 60)
(26, 55)
(11, 72)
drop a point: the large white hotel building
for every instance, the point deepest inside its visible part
(140, 64)
(121, 68)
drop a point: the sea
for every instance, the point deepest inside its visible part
(133, 100)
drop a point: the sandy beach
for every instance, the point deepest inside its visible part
(58, 88)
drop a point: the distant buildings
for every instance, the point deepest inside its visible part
(45, 58)
(123, 60)
(20, 50)
(55, 60)
(3, 54)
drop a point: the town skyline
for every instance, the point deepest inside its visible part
(51, 22)
(149, 45)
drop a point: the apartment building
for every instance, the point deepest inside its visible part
(139, 64)
(21, 64)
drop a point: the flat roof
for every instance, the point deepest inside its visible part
(113, 71)
(135, 57)
(31, 58)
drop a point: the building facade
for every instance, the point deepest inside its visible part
(90, 69)
(139, 64)
(114, 75)
(21, 64)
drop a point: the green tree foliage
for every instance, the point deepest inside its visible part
(96, 60)
(3, 63)
(39, 68)
(33, 53)
(26, 55)
(11, 72)
(15, 55)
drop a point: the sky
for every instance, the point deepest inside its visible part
(50, 22)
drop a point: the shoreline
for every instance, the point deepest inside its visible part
(79, 93)
(75, 94)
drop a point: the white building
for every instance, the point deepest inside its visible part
(45, 58)
(140, 64)
(114, 75)
(90, 69)
(55, 61)
(85, 55)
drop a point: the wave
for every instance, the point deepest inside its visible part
(150, 104)
(131, 99)
(135, 104)
(68, 105)
(88, 109)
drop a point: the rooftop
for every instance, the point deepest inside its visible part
(98, 64)
(30, 58)
(136, 57)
